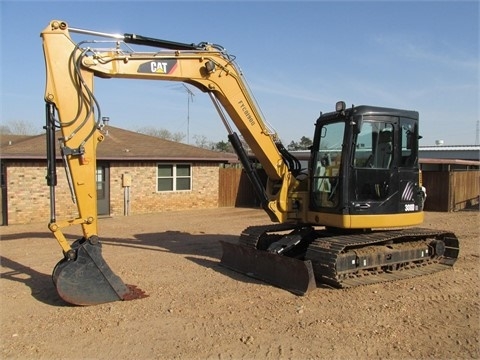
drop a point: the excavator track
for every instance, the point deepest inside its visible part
(359, 259)
(339, 260)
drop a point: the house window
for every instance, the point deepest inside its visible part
(100, 177)
(174, 177)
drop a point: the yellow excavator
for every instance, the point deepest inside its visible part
(345, 220)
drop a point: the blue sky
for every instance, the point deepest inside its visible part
(299, 58)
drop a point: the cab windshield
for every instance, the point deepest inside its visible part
(326, 167)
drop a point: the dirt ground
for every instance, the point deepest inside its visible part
(197, 309)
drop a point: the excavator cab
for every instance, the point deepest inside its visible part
(364, 161)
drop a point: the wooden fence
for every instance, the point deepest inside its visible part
(235, 189)
(446, 190)
(451, 190)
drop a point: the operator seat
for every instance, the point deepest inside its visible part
(384, 151)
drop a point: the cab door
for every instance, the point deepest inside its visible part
(373, 187)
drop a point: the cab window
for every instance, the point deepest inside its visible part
(374, 146)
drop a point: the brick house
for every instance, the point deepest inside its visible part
(136, 174)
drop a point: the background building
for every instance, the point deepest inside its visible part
(136, 174)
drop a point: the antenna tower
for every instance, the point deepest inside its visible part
(190, 96)
(477, 133)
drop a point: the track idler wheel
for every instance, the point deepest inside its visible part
(84, 278)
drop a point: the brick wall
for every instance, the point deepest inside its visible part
(28, 194)
(144, 197)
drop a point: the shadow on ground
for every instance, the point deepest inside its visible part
(41, 285)
(202, 249)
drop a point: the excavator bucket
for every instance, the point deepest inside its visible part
(87, 279)
(281, 271)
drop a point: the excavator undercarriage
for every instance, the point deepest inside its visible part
(339, 260)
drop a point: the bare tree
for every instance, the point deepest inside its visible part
(177, 136)
(161, 133)
(18, 127)
(5, 130)
(201, 141)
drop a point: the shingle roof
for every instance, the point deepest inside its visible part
(8, 139)
(120, 144)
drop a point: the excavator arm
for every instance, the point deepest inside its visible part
(72, 107)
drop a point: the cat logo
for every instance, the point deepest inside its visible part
(164, 66)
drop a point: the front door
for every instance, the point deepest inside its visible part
(103, 189)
